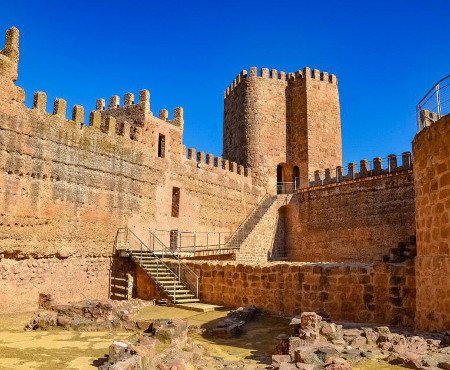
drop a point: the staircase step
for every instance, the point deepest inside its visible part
(165, 277)
(184, 296)
(144, 258)
(193, 300)
(159, 273)
(144, 253)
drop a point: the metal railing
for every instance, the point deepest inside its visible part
(129, 241)
(435, 104)
(287, 187)
(192, 242)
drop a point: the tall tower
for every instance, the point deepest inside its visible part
(283, 126)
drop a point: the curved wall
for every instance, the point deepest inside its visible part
(431, 148)
(255, 126)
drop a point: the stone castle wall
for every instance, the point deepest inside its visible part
(66, 188)
(255, 124)
(431, 148)
(378, 293)
(358, 220)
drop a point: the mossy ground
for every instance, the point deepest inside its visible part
(59, 349)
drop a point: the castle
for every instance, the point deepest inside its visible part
(300, 231)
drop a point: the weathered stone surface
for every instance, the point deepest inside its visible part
(345, 291)
(432, 180)
(234, 324)
(277, 360)
(403, 348)
(88, 315)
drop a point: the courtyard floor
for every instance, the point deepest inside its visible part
(58, 349)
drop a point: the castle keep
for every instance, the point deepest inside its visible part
(289, 120)
(277, 221)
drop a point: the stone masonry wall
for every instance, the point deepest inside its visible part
(272, 118)
(67, 185)
(68, 279)
(255, 124)
(65, 190)
(431, 149)
(359, 220)
(379, 293)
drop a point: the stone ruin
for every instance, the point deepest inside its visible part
(321, 344)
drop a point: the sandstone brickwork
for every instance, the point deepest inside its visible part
(380, 292)
(360, 220)
(66, 185)
(272, 118)
(431, 148)
(69, 178)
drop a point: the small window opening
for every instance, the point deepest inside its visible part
(296, 177)
(175, 202)
(161, 146)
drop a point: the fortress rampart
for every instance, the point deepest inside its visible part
(66, 185)
(377, 293)
(353, 220)
(431, 148)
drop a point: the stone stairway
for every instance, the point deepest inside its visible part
(255, 237)
(166, 279)
(243, 231)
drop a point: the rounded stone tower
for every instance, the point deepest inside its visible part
(431, 148)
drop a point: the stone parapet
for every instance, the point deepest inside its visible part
(378, 293)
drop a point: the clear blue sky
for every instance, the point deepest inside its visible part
(386, 54)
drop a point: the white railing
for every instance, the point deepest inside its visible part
(435, 104)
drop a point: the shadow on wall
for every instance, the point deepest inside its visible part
(281, 238)
(122, 276)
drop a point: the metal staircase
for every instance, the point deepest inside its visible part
(177, 281)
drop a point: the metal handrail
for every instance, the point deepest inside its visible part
(287, 187)
(177, 258)
(195, 241)
(437, 109)
(160, 260)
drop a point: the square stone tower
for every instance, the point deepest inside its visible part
(283, 126)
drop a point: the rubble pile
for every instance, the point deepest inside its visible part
(87, 315)
(234, 324)
(317, 344)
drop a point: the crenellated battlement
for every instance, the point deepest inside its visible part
(129, 101)
(9, 56)
(273, 74)
(110, 126)
(378, 166)
(313, 74)
(208, 160)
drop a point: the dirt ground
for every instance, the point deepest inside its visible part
(58, 349)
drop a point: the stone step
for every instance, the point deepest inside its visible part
(170, 284)
(192, 300)
(199, 307)
(138, 253)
